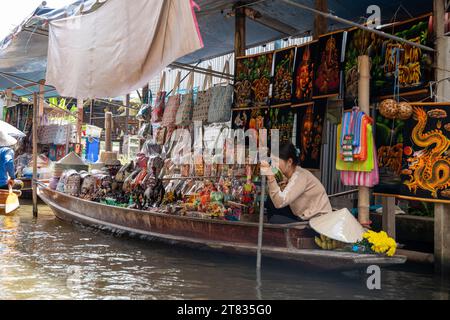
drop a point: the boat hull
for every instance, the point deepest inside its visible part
(287, 242)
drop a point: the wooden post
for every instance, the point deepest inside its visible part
(41, 97)
(108, 131)
(239, 32)
(35, 151)
(389, 216)
(91, 109)
(442, 238)
(320, 22)
(80, 104)
(364, 104)
(441, 211)
(127, 113)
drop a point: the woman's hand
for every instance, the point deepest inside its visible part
(266, 170)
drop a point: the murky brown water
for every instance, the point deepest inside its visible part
(50, 259)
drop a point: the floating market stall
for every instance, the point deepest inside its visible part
(205, 203)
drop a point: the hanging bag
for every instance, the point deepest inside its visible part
(158, 110)
(221, 101)
(184, 113)
(201, 107)
(173, 103)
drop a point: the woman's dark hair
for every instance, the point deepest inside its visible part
(289, 151)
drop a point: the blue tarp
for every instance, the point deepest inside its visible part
(24, 53)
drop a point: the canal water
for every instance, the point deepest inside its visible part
(46, 258)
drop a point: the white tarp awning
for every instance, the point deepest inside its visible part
(120, 47)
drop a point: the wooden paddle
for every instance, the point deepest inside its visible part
(9, 203)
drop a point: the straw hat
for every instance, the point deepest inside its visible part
(339, 225)
(6, 140)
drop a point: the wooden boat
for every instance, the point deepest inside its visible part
(294, 242)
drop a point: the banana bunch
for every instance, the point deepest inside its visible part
(326, 243)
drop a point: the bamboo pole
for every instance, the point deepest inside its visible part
(35, 146)
(364, 104)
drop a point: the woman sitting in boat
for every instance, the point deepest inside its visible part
(303, 197)
(7, 171)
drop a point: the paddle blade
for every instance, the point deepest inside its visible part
(11, 203)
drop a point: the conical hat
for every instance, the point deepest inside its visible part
(6, 140)
(71, 159)
(339, 225)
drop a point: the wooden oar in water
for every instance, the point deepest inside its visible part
(9, 201)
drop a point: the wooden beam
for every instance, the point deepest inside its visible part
(388, 218)
(240, 30)
(270, 22)
(320, 22)
(35, 151)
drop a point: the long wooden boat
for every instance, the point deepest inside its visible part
(293, 242)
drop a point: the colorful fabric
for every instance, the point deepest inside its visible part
(365, 166)
(362, 179)
(354, 127)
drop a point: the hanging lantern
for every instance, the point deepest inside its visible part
(388, 108)
(405, 111)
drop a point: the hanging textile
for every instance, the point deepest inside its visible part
(359, 173)
(362, 179)
(119, 47)
(362, 166)
(353, 140)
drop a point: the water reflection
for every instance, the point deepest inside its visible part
(49, 259)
